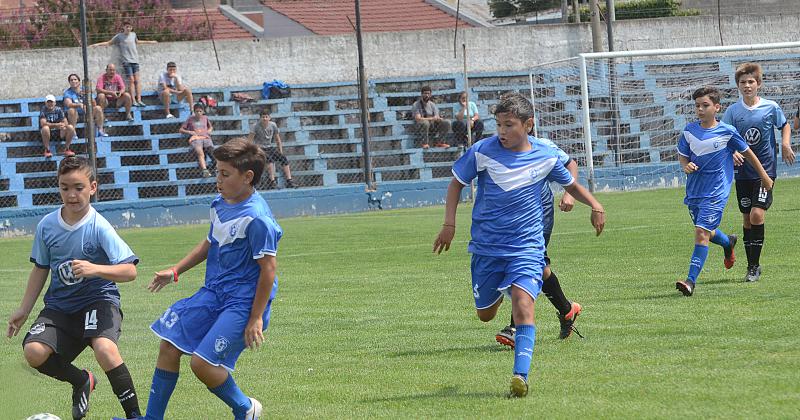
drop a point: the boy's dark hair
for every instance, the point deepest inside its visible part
(75, 163)
(243, 155)
(263, 112)
(172, 64)
(516, 105)
(749, 68)
(710, 91)
(73, 74)
(127, 23)
(425, 88)
(199, 105)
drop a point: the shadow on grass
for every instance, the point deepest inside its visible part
(447, 392)
(451, 350)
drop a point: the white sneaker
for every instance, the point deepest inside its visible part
(254, 413)
(169, 116)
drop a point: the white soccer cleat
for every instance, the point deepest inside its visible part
(254, 413)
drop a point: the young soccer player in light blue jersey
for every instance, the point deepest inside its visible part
(232, 308)
(82, 304)
(507, 243)
(756, 119)
(705, 152)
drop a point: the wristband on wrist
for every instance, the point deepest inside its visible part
(593, 211)
(447, 224)
(174, 274)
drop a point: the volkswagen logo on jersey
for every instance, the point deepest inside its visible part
(752, 136)
(89, 248)
(220, 344)
(65, 274)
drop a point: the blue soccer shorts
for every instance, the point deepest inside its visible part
(492, 277)
(707, 214)
(209, 326)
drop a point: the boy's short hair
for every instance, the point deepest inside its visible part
(127, 23)
(515, 104)
(425, 88)
(243, 155)
(263, 112)
(199, 105)
(710, 91)
(748, 68)
(73, 74)
(172, 64)
(75, 163)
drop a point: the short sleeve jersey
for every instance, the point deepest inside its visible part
(239, 235)
(426, 111)
(115, 84)
(74, 96)
(711, 149)
(91, 239)
(200, 127)
(757, 126)
(507, 214)
(563, 158)
(127, 47)
(264, 136)
(170, 82)
(54, 115)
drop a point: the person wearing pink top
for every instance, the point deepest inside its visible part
(111, 91)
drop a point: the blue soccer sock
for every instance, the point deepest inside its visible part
(523, 349)
(160, 391)
(721, 239)
(231, 395)
(698, 260)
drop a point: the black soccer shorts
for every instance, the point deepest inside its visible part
(749, 194)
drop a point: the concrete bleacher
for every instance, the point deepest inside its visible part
(321, 131)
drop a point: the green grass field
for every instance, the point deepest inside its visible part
(369, 323)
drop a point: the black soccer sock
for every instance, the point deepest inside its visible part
(552, 289)
(757, 242)
(122, 384)
(55, 367)
(748, 247)
(512, 324)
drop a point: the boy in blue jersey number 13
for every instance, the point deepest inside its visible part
(756, 119)
(705, 152)
(232, 308)
(507, 243)
(82, 304)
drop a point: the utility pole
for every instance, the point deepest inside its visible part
(597, 44)
(564, 11)
(364, 104)
(610, 18)
(577, 9)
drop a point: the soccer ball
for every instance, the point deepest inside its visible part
(44, 416)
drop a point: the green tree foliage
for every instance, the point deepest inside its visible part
(506, 8)
(56, 23)
(641, 9)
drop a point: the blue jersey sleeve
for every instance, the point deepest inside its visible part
(263, 237)
(465, 169)
(737, 143)
(779, 119)
(117, 251)
(683, 146)
(40, 254)
(560, 174)
(727, 117)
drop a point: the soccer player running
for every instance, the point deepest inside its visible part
(567, 311)
(82, 303)
(507, 243)
(756, 120)
(705, 152)
(232, 309)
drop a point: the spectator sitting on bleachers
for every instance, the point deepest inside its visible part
(263, 134)
(126, 41)
(199, 129)
(170, 83)
(73, 103)
(427, 118)
(54, 124)
(111, 91)
(464, 114)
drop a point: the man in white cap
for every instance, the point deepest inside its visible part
(53, 124)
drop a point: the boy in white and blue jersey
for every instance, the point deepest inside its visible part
(756, 120)
(86, 258)
(232, 309)
(507, 234)
(705, 151)
(551, 287)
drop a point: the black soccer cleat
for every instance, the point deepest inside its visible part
(568, 321)
(685, 287)
(80, 397)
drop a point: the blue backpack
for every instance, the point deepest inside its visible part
(275, 89)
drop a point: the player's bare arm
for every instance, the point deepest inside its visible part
(194, 257)
(36, 281)
(687, 166)
(118, 273)
(786, 144)
(766, 181)
(567, 200)
(598, 216)
(445, 237)
(253, 332)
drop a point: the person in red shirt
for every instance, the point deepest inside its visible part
(111, 91)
